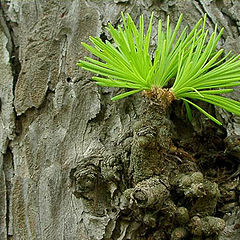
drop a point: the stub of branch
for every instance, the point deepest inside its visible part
(149, 193)
(206, 226)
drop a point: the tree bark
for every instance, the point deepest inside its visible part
(75, 165)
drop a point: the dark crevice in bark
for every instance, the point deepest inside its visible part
(199, 7)
(232, 21)
(103, 37)
(8, 169)
(12, 47)
(8, 164)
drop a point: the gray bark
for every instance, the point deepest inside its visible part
(74, 164)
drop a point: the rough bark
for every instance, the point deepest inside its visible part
(74, 165)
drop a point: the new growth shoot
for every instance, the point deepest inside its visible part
(190, 59)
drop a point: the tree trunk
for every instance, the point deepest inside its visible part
(75, 165)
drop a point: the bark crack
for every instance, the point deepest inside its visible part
(8, 164)
(8, 169)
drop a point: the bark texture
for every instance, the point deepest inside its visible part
(74, 165)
